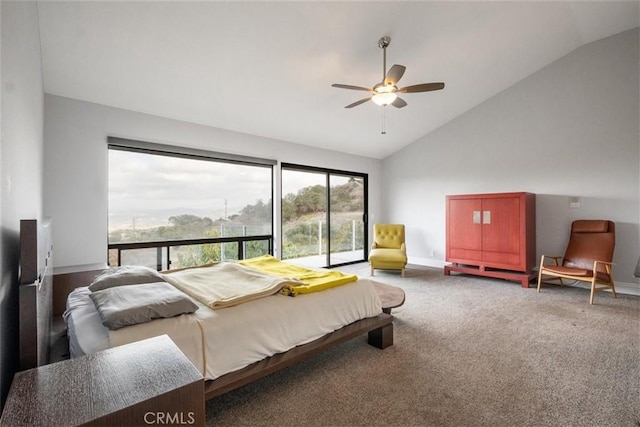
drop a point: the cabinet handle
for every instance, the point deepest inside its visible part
(486, 217)
(476, 217)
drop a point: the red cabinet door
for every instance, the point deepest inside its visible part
(464, 230)
(501, 231)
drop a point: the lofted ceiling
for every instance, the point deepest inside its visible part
(266, 68)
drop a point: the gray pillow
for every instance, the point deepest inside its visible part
(129, 305)
(125, 275)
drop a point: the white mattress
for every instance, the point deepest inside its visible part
(221, 341)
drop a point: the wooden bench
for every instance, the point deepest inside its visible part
(390, 296)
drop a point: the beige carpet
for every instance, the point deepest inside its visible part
(468, 352)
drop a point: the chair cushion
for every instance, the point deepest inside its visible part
(590, 240)
(387, 255)
(389, 236)
(387, 258)
(568, 270)
(576, 272)
(590, 226)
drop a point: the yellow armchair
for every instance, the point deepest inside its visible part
(388, 250)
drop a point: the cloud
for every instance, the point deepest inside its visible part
(156, 186)
(143, 183)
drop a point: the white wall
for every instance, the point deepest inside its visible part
(21, 154)
(75, 170)
(569, 130)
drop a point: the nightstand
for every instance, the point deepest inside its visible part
(143, 383)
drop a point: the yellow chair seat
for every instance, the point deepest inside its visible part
(394, 258)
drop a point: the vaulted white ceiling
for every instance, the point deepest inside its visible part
(266, 68)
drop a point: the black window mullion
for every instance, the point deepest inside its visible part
(328, 214)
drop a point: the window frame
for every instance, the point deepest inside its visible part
(122, 144)
(328, 172)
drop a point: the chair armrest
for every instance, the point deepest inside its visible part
(374, 245)
(606, 264)
(554, 258)
(403, 247)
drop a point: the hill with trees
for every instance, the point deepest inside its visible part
(303, 216)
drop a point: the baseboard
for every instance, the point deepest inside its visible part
(626, 288)
(427, 262)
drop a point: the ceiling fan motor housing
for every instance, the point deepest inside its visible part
(384, 42)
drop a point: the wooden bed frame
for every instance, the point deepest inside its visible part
(379, 328)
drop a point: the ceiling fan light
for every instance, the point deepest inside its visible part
(384, 98)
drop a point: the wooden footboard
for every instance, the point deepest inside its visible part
(380, 329)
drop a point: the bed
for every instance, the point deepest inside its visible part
(225, 358)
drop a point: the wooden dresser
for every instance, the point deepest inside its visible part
(492, 235)
(148, 382)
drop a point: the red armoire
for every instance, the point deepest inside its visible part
(492, 235)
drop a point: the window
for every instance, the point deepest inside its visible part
(172, 207)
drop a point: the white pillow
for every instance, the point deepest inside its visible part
(125, 275)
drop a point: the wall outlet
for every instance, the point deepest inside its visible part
(574, 204)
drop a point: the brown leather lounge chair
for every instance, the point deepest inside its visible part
(587, 258)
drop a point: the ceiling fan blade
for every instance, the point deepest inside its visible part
(355, 104)
(341, 86)
(395, 73)
(399, 103)
(424, 87)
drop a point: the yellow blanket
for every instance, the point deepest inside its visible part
(226, 284)
(312, 280)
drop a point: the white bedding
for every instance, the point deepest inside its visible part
(222, 341)
(84, 326)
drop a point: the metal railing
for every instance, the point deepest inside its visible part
(168, 244)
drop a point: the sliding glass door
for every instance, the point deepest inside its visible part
(323, 216)
(346, 218)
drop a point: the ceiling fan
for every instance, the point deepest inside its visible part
(386, 92)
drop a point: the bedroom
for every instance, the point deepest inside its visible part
(53, 131)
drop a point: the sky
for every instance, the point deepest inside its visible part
(141, 183)
(147, 189)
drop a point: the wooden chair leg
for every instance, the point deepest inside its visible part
(539, 278)
(402, 274)
(613, 289)
(372, 270)
(593, 290)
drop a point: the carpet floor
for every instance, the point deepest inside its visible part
(467, 351)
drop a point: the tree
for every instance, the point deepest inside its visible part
(311, 199)
(288, 207)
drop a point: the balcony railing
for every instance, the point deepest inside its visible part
(163, 259)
